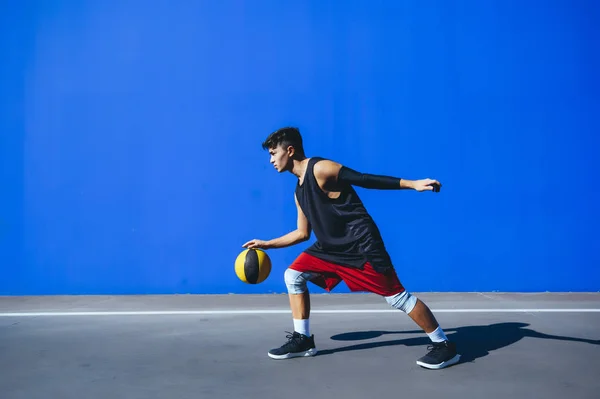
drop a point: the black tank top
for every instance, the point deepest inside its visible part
(346, 234)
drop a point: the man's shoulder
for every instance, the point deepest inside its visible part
(325, 168)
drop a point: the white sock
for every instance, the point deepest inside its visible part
(437, 335)
(301, 326)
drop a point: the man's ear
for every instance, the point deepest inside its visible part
(291, 151)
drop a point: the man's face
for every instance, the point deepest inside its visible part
(280, 158)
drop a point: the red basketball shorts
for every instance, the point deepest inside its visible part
(329, 275)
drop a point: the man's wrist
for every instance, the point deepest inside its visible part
(407, 184)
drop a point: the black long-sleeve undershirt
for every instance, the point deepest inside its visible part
(366, 180)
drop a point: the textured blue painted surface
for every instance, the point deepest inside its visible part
(130, 139)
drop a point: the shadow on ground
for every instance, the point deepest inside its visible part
(473, 342)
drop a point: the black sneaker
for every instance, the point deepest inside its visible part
(298, 345)
(442, 354)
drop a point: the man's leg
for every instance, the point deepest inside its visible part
(304, 269)
(421, 314)
(442, 352)
(300, 306)
(387, 284)
(300, 343)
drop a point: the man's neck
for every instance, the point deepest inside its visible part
(300, 167)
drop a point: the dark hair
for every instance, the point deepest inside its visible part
(285, 136)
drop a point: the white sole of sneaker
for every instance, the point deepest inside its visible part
(442, 365)
(310, 352)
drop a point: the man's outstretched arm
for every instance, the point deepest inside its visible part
(335, 172)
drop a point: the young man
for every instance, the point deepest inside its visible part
(349, 246)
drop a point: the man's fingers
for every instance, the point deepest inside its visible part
(429, 185)
(252, 244)
(435, 185)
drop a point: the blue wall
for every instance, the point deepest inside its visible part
(130, 138)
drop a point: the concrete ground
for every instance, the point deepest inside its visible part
(512, 346)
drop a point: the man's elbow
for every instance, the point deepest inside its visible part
(303, 235)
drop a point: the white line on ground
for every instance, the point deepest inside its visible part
(271, 311)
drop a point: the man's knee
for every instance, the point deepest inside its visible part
(403, 301)
(296, 281)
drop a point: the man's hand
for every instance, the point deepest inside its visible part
(254, 244)
(427, 185)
